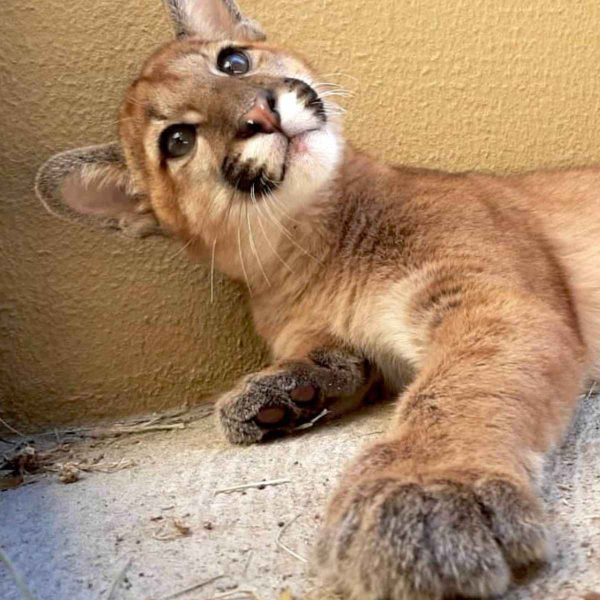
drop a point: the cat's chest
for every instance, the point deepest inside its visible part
(374, 320)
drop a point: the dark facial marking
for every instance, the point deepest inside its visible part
(247, 176)
(308, 95)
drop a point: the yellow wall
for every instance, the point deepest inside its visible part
(92, 325)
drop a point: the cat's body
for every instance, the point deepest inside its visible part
(382, 236)
(486, 288)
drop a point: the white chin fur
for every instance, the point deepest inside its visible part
(312, 161)
(266, 150)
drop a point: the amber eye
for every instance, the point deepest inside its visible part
(233, 61)
(177, 140)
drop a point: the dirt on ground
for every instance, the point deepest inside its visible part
(164, 508)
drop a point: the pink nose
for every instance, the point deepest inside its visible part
(262, 117)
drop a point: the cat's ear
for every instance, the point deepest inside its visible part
(213, 20)
(92, 185)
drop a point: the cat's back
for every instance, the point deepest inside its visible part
(432, 215)
(394, 221)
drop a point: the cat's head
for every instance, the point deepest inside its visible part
(216, 120)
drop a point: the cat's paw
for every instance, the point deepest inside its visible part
(281, 399)
(389, 539)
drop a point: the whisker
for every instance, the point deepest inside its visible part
(281, 211)
(287, 234)
(239, 238)
(271, 191)
(276, 204)
(252, 242)
(212, 271)
(331, 109)
(330, 84)
(181, 250)
(271, 215)
(326, 84)
(260, 223)
(342, 74)
(131, 100)
(328, 93)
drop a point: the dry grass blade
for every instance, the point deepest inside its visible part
(311, 423)
(591, 391)
(69, 472)
(287, 548)
(237, 595)
(117, 580)
(322, 594)
(192, 588)
(167, 421)
(25, 592)
(11, 428)
(257, 484)
(124, 463)
(371, 433)
(117, 430)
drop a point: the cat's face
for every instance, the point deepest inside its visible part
(208, 125)
(217, 124)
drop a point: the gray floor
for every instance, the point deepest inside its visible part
(71, 541)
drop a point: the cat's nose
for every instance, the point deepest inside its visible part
(262, 117)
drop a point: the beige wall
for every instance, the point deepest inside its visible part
(95, 325)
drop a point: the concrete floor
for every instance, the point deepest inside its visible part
(69, 542)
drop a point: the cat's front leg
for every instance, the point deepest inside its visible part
(446, 504)
(290, 393)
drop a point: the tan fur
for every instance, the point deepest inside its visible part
(486, 289)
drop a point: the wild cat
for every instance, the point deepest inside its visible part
(487, 287)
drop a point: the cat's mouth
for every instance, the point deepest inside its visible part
(278, 138)
(260, 173)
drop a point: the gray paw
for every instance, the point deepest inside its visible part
(268, 405)
(387, 539)
(280, 399)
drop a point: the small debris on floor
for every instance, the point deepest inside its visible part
(25, 460)
(261, 485)
(279, 542)
(192, 588)
(234, 534)
(174, 528)
(167, 421)
(69, 473)
(120, 577)
(239, 594)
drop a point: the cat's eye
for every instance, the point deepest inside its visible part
(233, 61)
(177, 140)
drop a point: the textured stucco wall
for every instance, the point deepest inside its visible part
(93, 325)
